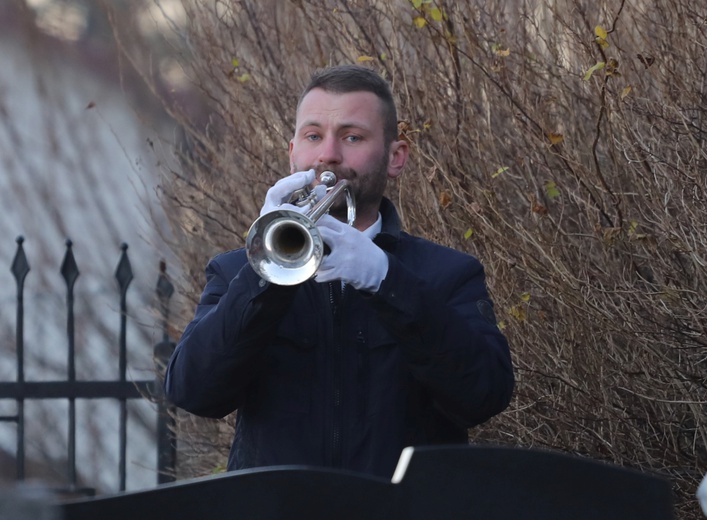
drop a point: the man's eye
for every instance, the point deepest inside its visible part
(312, 137)
(353, 138)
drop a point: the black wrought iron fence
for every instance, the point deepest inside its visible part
(72, 389)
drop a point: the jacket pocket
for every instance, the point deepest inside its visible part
(286, 386)
(380, 372)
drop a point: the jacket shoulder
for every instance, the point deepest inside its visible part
(434, 256)
(228, 263)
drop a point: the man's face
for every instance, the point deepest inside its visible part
(344, 133)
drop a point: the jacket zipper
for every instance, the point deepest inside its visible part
(336, 444)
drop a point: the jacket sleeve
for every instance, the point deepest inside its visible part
(223, 348)
(450, 338)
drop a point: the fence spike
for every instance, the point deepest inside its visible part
(165, 288)
(69, 269)
(124, 271)
(20, 266)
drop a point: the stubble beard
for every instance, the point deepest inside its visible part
(368, 188)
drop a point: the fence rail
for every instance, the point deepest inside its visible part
(71, 389)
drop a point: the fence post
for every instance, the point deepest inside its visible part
(20, 269)
(124, 275)
(70, 271)
(166, 437)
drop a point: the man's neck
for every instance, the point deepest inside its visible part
(365, 217)
(363, 222)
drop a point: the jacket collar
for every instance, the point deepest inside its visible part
(390, 233)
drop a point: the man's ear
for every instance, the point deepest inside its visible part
(397, 157)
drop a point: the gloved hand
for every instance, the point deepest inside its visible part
(354, 258)
(278, 195)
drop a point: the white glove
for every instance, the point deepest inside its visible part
(282, 190)
(354, 258)
(702, 495)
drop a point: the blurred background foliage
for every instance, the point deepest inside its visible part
(560, 141)
(563, 142)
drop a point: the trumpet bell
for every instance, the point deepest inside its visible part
(284, 246)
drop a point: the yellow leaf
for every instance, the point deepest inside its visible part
(417, 4)
(597, 66)
(626, 91)
(361, 59)
(503, 52)
(499, 171)
(600, 32)
(555, 138)
(383, 56)
(501, 325)
(436, 14)
(525, 297)
(451, 39)
(633, 226)
(235, 62)
(469, 232)
(602, 42)
(610, 234)
(551, 190)
(518, 312)
(244, 77)
(420, 21)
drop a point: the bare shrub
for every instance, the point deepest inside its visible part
(560, 141)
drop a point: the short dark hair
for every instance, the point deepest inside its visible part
(343, 79)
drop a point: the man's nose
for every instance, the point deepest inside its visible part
(329, 151)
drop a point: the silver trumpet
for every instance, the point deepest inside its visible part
(285, 247)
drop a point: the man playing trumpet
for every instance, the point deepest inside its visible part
(392, 343)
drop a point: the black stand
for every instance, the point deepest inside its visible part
(440, 483)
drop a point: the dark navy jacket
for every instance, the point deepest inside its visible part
(345, 382)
